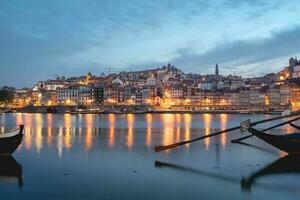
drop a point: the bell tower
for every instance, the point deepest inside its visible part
(217, 70)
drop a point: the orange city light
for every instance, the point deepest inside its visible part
(68, 101)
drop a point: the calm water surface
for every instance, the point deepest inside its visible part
(111, 157)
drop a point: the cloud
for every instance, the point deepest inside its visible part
(42, 38)
(243, 53)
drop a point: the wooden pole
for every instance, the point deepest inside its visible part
(170, 146)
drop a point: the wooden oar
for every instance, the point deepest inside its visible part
(241, 139)
(170, 146)
(295, 126)
(275, 126)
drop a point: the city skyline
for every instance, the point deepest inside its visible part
(41, 39)
(212, 71)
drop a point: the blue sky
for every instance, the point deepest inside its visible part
(41, 38)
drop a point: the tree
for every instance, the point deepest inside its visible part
(6, 96)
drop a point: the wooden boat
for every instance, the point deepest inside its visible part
(289, 143)
(10, 141)
(4, 110)
(10, 170)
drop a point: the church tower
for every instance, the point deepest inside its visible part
(217, 70)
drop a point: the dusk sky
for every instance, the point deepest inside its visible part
(41, 38)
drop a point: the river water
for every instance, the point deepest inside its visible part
(111, 157)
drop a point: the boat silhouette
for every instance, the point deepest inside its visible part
(289, 143)
(10, 170)
(9, 141)
(289, 164)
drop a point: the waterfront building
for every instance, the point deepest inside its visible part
(151, 81)
(97, 94)
(49, 85)
(285, 96)
(138, 96)
(48, 98)
(118, 81)
(226, 100)
(220, 85)
(244, 99)
(191, 96)
(226, 84)
(176, 92)
(135, 83)
(295, 97)
(130, 94)
(257, 99)
(236, 84)
(74, 95)
(149, 93)
(234, 100)
(209, 86)
(274, 98)
(114, 93)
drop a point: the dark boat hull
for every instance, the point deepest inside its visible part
(10, 144)
(288, 143)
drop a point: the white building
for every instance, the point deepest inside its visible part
(118, 81)
(49, 85)
(74, 95)
(205, 85)
(151, 81)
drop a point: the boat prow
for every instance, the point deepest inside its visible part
(289, 143)
(10, 141)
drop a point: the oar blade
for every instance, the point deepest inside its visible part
(166, 147)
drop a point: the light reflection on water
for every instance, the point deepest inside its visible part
(187, 124)
(130, 136)
(149, 130)
(207, 127)
(224, 122)
(112, 123)
(40, 129)
(102, 148)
